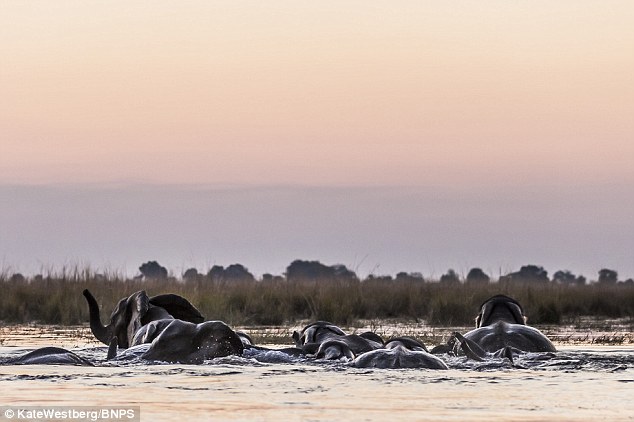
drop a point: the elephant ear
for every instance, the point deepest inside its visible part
(150, 331)
(478, 320)
(485, 314)
(138, 305)
(500, 305)
(126, 318)
(516, 310)
(178, 307)
(296, 338)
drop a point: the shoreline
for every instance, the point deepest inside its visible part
(618, 333)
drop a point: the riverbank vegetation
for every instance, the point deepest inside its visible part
(338, 296)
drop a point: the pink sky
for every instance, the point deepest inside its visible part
(321, 93)
(433, 134)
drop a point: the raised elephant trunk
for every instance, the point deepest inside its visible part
(102, 333)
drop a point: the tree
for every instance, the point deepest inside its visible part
(308, 270)
(477, 276)
(191, 275)
(314, 270)
(607, 276)
(341, 272)
(564, 277)
(270, 278)
(530, 273)
(567, 277)
(238, 272)
(216, 273)
(527, 274)
(153, 270)
(415, 277)
(234, 272)
(450, 278)
(379, 278)
(17, 278)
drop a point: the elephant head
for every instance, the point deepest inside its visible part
(125, 319)
(48, 356)
(184, 342)
(135, 311)
(316, 332)
(334, 350)
(401, 352)
(407, 342)
(501, 330)
(500, 308)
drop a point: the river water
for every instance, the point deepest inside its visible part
(580, 382)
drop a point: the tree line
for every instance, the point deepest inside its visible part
(306, 270)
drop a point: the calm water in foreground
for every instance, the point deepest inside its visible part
(580, 382)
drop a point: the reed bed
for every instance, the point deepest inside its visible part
(57, 299)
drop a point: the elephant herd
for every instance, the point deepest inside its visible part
(168, 328)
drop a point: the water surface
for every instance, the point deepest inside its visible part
(580, 382)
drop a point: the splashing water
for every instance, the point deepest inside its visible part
(579, 382)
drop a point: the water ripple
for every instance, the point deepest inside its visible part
(566, 361)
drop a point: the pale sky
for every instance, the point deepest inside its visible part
(469, 96)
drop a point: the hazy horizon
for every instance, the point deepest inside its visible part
(378, 230)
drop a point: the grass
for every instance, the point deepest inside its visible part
(57, 299)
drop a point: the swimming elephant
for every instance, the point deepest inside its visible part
(334, 350)
(48, 356)
(134, 312)
(149, 332)
(315, 334)
(178, 341)
(501, 328)
(401, 352)
(249, 344)
(246, 339)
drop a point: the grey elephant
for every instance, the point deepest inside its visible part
(178, 341)
(134, 312)
(501, 330)
(334, 350)
(401, 352)
(314, 335)
(250, 345)
(48, 356)
(316, 332)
